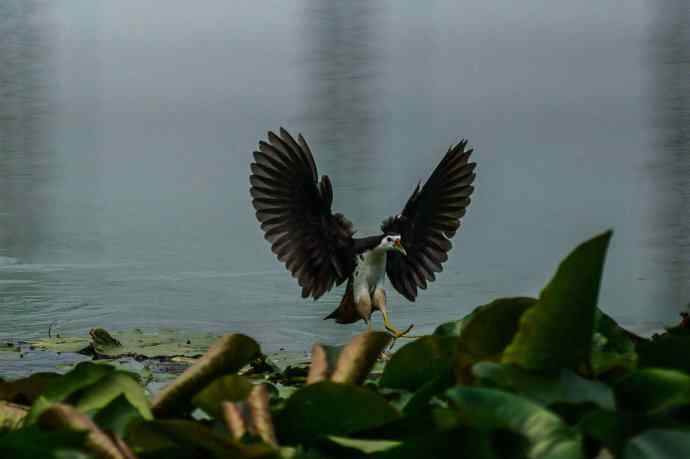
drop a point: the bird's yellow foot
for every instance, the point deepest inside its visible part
(393, 330)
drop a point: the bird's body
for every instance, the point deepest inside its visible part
(318, 247)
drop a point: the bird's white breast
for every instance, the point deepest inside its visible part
(369, 271)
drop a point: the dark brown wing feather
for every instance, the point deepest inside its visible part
(294, 210)
(430, 218)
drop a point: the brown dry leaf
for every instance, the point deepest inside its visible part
(353, 364)
(252, 416)
(227, 355)
(61, 416)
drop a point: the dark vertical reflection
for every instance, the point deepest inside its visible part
(25, 157)
(340, 58)
(671, 166)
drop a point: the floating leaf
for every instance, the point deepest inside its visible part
(232, 388)
(557, 331)
(227, 355)
(562, 387)
(659, 444)
(548, 436)
(160, 343)
(653, 390)
(419, 361)
(329, 408)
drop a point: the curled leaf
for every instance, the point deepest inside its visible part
(11, 415)
(251, 417)
(61, 417)
(227, 355)
(352, 364)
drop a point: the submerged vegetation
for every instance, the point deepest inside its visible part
(547, 377)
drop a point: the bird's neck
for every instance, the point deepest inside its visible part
(376, 257)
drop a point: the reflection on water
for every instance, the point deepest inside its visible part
(670, 222)
(26, 161)
(126, 131)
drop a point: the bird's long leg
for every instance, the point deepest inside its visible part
(379, 301)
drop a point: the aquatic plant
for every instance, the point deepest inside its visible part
(546, 377)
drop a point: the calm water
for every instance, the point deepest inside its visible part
(126, 132)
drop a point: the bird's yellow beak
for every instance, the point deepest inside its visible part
(399, 247)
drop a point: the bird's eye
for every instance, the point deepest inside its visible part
(388, 239)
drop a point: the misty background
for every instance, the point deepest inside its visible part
(126, 133)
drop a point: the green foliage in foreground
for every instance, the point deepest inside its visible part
(551, 377)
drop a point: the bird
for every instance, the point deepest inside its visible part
(317, 245)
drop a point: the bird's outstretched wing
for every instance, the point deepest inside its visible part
(430, 218)
(294, 209)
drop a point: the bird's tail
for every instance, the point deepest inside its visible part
(346, 312)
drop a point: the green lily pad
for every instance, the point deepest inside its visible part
(557, 331)
(329, 408)
(161, 343)
(230, 388)
(652, 390)
(562, 387)
(414, 364)
(548, 436)
(117, 415)
(659, 444)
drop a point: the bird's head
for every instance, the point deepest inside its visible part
(392, 242)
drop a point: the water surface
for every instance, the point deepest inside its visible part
(126, 132)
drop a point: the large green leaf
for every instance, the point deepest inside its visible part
(418, 362)
(486, 331)
(613, 348)
(82, 376)
(562, 387)
(667, 351)
(329, 408)
(108, 389)
(659, 444)
(652, 390)
(557, 331)
(117, 415)
(491, 409)
(33, 443)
